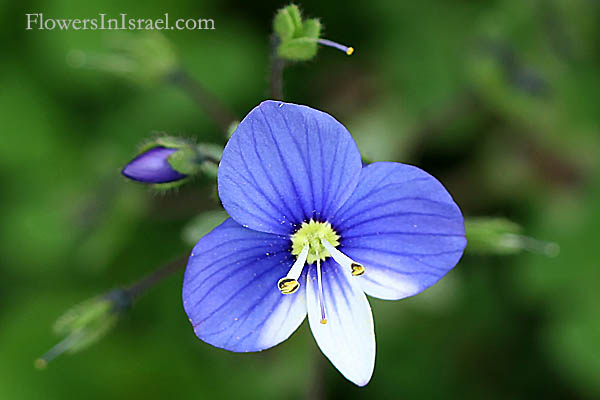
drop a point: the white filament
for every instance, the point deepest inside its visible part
(338, 256)
(296, 270)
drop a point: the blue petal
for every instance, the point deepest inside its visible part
(286, 164)
(348, 337)
(153, 166)
(230, 289)
(404, 227)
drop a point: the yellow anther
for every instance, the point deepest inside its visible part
(357, 269)
(350, 50)
(288, 285)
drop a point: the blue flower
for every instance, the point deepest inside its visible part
(311, 232)
(152, 166)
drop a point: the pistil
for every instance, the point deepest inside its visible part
(321, 296)
(330, 43)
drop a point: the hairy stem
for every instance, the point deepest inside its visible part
(220, 114)
(277, 66)
(315, 390)
(149, 281)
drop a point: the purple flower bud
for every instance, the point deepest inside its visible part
(152, 166)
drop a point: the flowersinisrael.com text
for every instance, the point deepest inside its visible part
(123, 22)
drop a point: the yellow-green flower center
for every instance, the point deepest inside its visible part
(310, 234)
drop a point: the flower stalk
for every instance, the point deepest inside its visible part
(214, 108)
(89, 321)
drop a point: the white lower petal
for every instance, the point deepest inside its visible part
(284, 319)
(348, 337)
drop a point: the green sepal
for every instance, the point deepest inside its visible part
(503, 237)
(167, 187)
(143, 57)
(311, 28)
(190, 159)
(210, 153)
(186, 160)
(286, 21)
(492, 236)
(297, 38)
(301, 49)
(88, 322)
(296, 16)
(164, 140)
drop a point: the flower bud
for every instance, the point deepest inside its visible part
(153, 166)
(169, 161)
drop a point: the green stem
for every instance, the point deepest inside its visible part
(143, 285)
(277, 67)
(220, 114)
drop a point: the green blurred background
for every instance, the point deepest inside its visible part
(498, 99)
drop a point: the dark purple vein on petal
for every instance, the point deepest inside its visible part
(305, 161)
(402, 214)
(256, 185)
(240, 290)
(404, 233)
(283, 161)
(215, 264)
(269, 177)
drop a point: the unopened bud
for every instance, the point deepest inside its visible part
(153, 166)
(167, 162)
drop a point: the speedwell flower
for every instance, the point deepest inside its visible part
(311, 232)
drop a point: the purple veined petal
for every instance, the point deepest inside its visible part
(286, 164)
(152, 166)
(404, 227)
(230, 289)
(348, 337)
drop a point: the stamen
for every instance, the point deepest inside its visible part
(289, 284)
(357, 269)
(345, 49)
(320, 284)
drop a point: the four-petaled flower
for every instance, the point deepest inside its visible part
(311, 231)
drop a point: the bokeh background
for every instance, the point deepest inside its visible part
(498, 99)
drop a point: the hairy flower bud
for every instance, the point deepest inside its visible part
(153, 166)
(169, 161)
